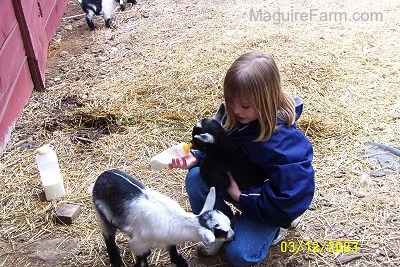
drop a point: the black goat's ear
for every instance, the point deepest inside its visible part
(205, 138)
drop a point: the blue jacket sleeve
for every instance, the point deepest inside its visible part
(198, 154)
(289, 188)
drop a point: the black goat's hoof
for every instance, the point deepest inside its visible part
(108, 23)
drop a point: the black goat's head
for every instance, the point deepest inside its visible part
(206, 134)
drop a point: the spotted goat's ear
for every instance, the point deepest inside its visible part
(210, 201)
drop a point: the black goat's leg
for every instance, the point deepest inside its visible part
(176, 257)
(90, 23)
(113, 250)
(108, 232)
(108, 23)
(89, 18)
(141, 260)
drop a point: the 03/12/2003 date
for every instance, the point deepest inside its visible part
(327, 246)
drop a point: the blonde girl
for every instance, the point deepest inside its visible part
(260, 118)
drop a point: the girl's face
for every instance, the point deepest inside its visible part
(244, 111)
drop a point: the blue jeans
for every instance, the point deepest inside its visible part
(252, 238)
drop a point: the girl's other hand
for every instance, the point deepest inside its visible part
(233, 188)
(185, 162)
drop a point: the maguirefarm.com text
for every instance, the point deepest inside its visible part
(314, 14)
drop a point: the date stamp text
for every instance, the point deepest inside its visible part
(325, 246)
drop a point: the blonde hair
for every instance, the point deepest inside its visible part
(255, 78)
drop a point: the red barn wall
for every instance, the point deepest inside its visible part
(26, 29)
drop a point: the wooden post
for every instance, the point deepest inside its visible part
(30, 53)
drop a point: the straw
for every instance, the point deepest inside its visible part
(117, 97)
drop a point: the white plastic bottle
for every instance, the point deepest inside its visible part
(160, 161)
(50, 174)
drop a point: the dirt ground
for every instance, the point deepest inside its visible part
(115, 97)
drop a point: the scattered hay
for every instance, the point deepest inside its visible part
(116, 97)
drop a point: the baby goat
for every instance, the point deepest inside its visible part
(221, 155)
(151, 219)
(102, 7)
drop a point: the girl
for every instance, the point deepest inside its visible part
(259, 117)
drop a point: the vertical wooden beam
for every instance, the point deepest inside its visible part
(30, 53)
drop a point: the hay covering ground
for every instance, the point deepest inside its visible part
(116, 97)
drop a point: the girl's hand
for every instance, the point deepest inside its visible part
(185, 162)
(233, 188)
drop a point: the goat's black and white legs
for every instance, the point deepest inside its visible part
(176, 257)
(141, 261)
(113, 250)
(108, 14)
(140, 249)
(89, 19)
(90, 23)
(108, 23)
(108, 232)
(122, 5)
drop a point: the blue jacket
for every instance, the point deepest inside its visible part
(287, 156)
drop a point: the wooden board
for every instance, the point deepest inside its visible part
(26, 30)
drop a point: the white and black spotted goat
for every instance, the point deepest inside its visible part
(151, 219)
(106, 8)
(221, 155)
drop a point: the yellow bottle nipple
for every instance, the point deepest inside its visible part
(186, 148)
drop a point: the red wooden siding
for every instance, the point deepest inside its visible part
(26, 29)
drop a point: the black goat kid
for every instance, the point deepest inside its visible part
(223, 155)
